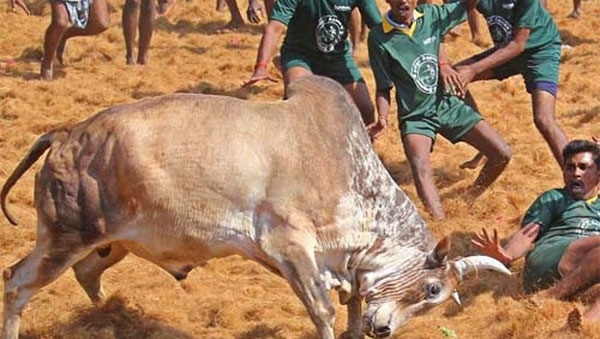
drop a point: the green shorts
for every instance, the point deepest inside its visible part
(540, 64)
(342, 69)
(453, 119)
(541, 264)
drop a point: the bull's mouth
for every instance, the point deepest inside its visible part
(376, 332)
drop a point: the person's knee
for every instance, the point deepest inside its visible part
(59, 23)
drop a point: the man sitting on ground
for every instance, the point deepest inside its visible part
(563, 227)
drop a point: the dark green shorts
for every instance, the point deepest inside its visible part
(541, 264)
(453, 119)
(342, 69)
(541, 64)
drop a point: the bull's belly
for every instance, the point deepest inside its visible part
(180, 244)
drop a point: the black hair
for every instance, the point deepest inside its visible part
(581, 146)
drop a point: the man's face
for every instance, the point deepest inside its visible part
(402, 10)
(581, 176)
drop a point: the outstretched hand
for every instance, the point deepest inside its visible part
(21, 4)
(255, 12)
(490, 246)
(260, 73)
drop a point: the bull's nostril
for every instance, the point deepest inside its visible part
(382, 332)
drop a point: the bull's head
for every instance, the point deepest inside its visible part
(405, 288)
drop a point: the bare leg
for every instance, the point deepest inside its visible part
(221, 5)
(487, 141)
(576, 13)
(89, 270)
(475, 27)
(129, 19)
(586, 274)
(360, 95)
(146, 29)
(98, 23)
(417, 148)
(58, 26)
(236, 16)
(292, 74)
(544, 106)
(354, 27)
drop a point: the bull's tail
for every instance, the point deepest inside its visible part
(35, 152)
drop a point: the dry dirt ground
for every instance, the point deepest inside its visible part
(235, 298)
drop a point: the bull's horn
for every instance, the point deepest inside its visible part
(467, 265)
(456, 297)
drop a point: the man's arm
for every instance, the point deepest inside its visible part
(503, 54)
(382, 102)
(517, 246)
(268, 43)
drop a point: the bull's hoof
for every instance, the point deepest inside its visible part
(574, 320)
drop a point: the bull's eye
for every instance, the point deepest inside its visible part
(432, 290)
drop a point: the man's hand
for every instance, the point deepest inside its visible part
(260, 73)
(490, 246)
(466, 74)
(255, 12)
(21, 4)
(452, 80)
(376, 129)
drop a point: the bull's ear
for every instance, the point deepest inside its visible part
(439, 255)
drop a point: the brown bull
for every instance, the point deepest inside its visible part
(294, 185)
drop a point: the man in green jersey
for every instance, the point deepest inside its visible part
(526, 42)
(403, 52)
(563, 226)
(316, 43)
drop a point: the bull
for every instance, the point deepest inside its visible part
(294, 185)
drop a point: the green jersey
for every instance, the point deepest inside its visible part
(319, 27)
(525, 14)
(408, 58)
(563, 220)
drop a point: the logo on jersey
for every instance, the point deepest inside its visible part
(500, 29)
(424, 71)
(329, 32)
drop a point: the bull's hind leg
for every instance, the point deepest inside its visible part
(89, 270)
(23, 279)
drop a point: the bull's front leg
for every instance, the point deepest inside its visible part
(355, 329)
(297, 264)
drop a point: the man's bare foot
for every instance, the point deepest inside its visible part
(479, 42)
(473, 163)
(574, 15)
(277, 63)
(221, 5)
(46, 73)
(129, 60)
(231, 26)
(164, 6)
(454, 32)
(574, 320)
(60, 51)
